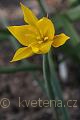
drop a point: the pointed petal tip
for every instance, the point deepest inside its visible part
(21, 4)
(67, 37)
(60, 39)
(14, 59)
(8, 27)
(11, 61)
(29, 16)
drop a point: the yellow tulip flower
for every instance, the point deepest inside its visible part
(37, 37)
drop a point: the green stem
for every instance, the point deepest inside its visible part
(47, 76)
(57, 88)
(48, 85)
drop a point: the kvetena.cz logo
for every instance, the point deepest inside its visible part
(5, 103)
(46, 103)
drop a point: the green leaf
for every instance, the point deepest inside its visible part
(40, 2)
(70, 31)
(48, 85)
(73, 13)
(72, 2)
(46, 75)
(19, 68)
(56, 19)
(57, 88)
(70, 52)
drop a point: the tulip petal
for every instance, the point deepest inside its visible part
(29, 17)
(59, 40)
(22, 53)
(46, 27)
(35, 47)
(25, 34)
(45, 47)
(41, 48)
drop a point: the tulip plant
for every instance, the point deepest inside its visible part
(38, 37)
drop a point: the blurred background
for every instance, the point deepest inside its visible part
(24, 78)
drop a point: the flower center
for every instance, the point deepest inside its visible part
(45, 38)
(38, 38)
(41, 40)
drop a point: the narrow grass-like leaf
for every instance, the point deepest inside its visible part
(57, 88)
(48, 85)
(20, 68)
(56, 19)
(73, 13)
(72, 2)
(70, 52)
(41, 6)
(46, 75)
(70, 31)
